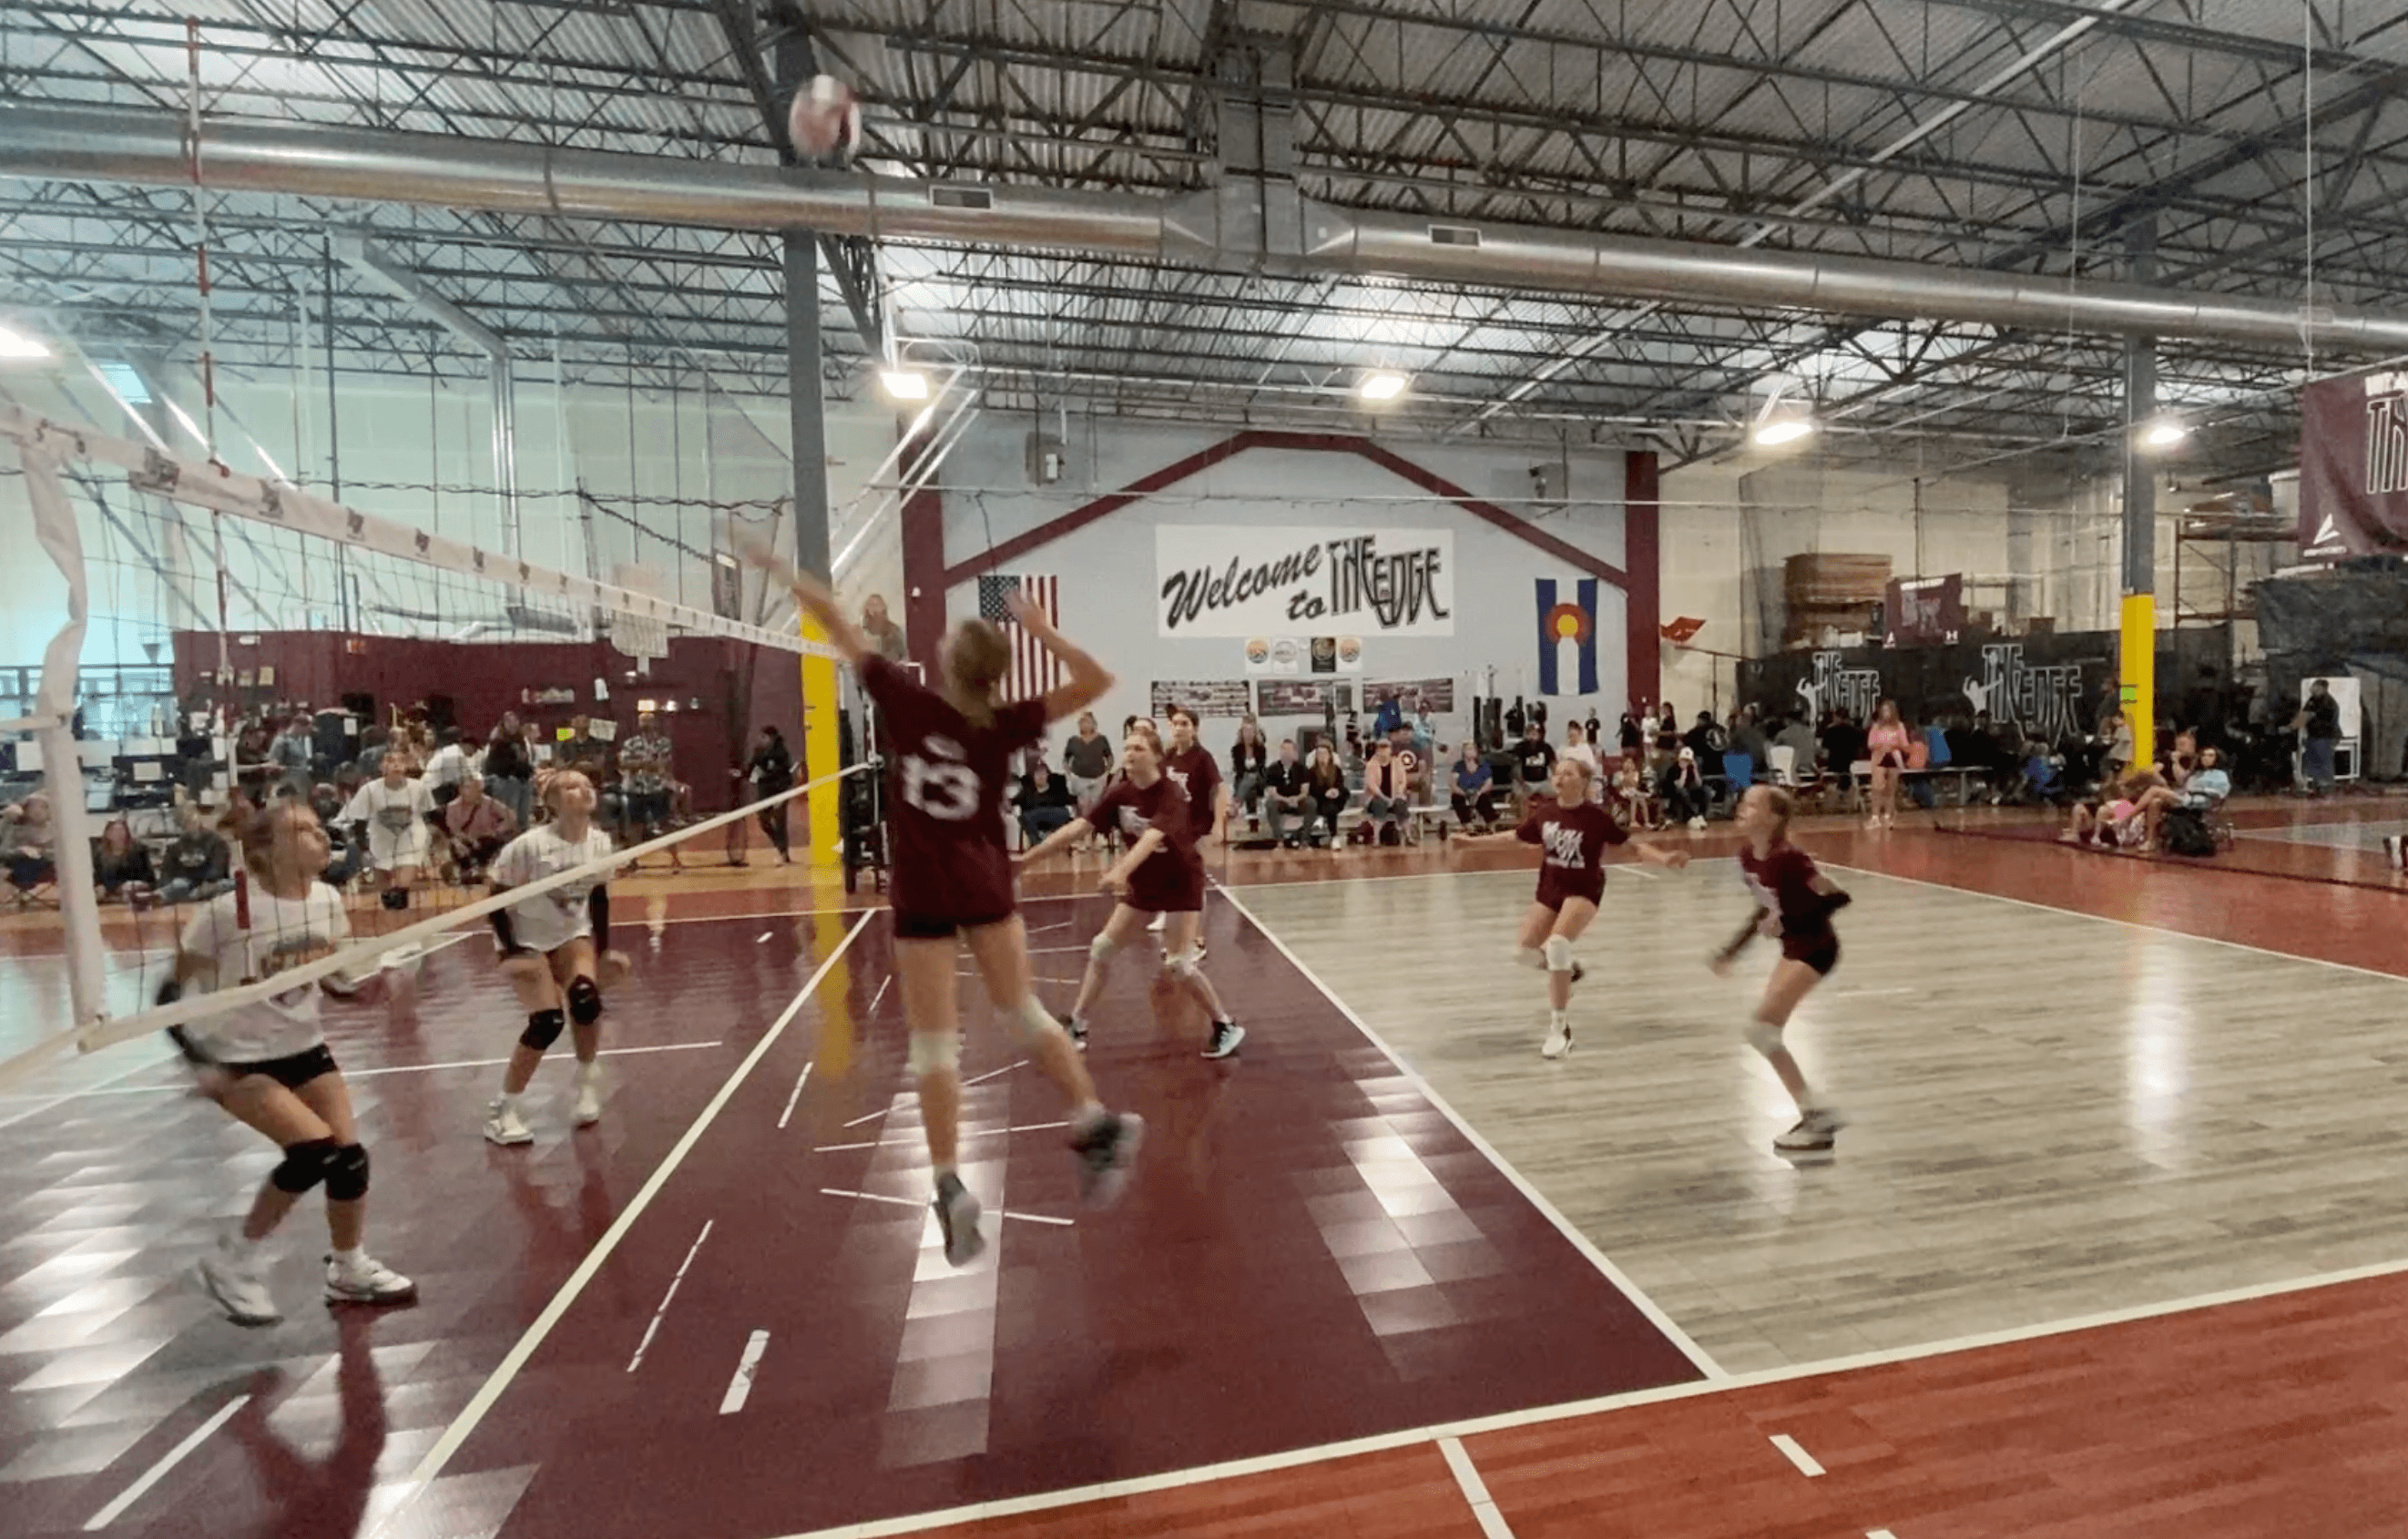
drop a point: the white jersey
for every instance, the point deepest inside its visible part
(396, 820)
(550, 921)
(283, 932)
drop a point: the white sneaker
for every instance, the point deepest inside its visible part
(1815, 1133)
(502, 1126)
(236, 1287)
(367, 1280)
(1559, 1040)
(589, 1103)
(1697, 825)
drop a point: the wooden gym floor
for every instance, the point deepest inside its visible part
(2116, 1243)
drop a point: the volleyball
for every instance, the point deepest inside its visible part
(825, 119)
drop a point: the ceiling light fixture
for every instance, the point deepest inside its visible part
(1782, 430)
(18, 346)
(2165, 433)
(1381, 385)
(903, 384)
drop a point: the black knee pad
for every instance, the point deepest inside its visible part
(543, 1028)
(584, 1002)
(395, 897)
(304, 1165)
(347, 1173)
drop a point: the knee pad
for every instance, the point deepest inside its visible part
(304, 1165)
(933, 1051)
(584, 1002)
(1101, 949)
(543, 1028)
(1182, 964)
(1558, 952)
(395, 898)
(347, 1173)
(1764, 1037)
(1531, 958)
(1032, 1022)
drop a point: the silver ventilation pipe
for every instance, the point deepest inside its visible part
(363, 256)
(1219, 227)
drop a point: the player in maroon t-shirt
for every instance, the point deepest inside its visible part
(1794, 903)
(950, 877)
(1574, 832)
(1160, 875)
(1191, 767)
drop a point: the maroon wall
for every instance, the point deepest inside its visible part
(739, 688)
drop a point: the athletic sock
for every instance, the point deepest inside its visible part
(507, 1101)
(588, 1072)
(1559, 1017)
(347, 1260)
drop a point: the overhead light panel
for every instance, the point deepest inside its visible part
(1381, 385)
(21, 347)
(902, 384)
(1782, 430)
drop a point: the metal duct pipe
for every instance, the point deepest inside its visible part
(148, 148)
(361, 256)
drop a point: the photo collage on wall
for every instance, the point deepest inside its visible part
(1304, 654)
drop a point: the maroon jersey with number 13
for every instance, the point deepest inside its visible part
(945, 777)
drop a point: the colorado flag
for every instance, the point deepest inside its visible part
(1573, 620)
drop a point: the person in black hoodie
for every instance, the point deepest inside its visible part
(772, 769)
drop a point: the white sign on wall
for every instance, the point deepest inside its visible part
(1243, 581)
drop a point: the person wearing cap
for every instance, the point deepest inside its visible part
(1684, 790)
(1534, 757)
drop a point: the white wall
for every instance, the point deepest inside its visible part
(1110, 584)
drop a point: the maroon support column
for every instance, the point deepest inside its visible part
(1643, 558)
(924, 569)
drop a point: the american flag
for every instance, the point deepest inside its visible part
(1034, 670)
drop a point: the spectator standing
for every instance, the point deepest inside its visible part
(510, 770)
(1475, 789)
(1885, 745)
(1534, 764)
(885, 637)
(1286, 794)
(1747, 737)
(2320, 723)
(1630, 737)
(1248, 759)
(644, 763)
(1576, 747)
(772, 769)
(1086, 762)
(290, 755)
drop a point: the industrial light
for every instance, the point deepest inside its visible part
(2165, 433)
(1782, 430)
(16, 345)
(903, 384)
(1381, 385)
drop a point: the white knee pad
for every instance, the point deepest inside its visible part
(1531, 958)
(932, 1050)
(1032, 1022)
(1764, 1037)
(1558, 953)
(1101, 949)
(1182, 964)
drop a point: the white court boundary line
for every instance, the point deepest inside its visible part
(152, 1476)
(2106, 919)
(490, 1392)
(1475, 1490)
(1537, 1416)
(1663, 1322)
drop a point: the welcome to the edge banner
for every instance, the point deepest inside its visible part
(1236, 581)
(2353, 468)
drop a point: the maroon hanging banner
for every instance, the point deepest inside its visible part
(2353, 468)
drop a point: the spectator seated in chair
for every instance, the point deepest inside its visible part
(1684, 790)
(1387, 796)
(29, 842)
(1326, 793)
(1287, 797)
(1475, 791)
(1044, 800)
(1630, 793)
(475, 828)
(198, 865)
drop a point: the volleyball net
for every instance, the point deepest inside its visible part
(213, 643)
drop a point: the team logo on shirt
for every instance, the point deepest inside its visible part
(942, 746)
(1563, 845)
(1178, 778)
(1134, 823)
